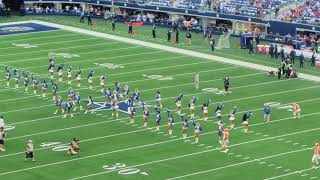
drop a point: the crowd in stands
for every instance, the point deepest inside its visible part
(308, 13)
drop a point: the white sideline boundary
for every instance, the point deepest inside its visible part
(170, 49)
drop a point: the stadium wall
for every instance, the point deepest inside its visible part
(276, 27)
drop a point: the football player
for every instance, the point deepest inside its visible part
(226, 84)
(158, 100)
(170, 123)
(225, 140)
(232, 116)
(69, 76)
(192, 106)
(296, 110)
(205, 110)
(78, 102)
(185, 127)
(59, 70)
(197, 130)
(29, 152)
(2, 136)
(89, 105)
(245, 121)
(158, 119)
(59, 105)
(178, 103)
(315, 156)
(44, 88)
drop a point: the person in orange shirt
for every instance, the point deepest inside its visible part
(315, 156)
(296, 110)
(225, 140)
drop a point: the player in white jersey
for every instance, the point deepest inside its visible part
(69, 76)
(196, 80)
(29, 152)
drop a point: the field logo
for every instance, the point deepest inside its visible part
(215, 91)
(16, 29)
(26, 46)
(55, 146)
(66, 55)
(279, 105)
(8, 128)
(122, 169)
(123, 107)
(158, 77)
(110, 65)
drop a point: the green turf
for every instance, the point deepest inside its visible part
(107, 141)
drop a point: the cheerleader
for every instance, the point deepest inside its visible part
(26, 83)
(78, 102)
(205, 110)
(232, 116)
(115, 97)
(68, 107)
(158, 119)
(69, 76)
(78, 77)
(158, 100)
(17, 78)
(117, 88)
(35, 85)
(107, 94)
(59, 105)
(59, 70)
(44, 88)
(90, 79)
(131, 111)
(102, 78)
(225, 140)
(89, 105)
(136, 96)
(71, 96)
(245, 121)
(8, 77)
(192, 106)
(115, 109)
(145, 116)
(185, 127)
(197, 130)
(178, 103)
(170, 123)
(51, 71)
(218, 111)
(54, 91)
(220, 131)
(126, 92)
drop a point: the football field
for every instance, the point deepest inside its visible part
(112, 148)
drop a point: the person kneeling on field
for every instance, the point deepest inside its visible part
(74, 147)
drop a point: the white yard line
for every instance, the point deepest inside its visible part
(163, 142)
(289, 174)
(56, 49)
(173, 49)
